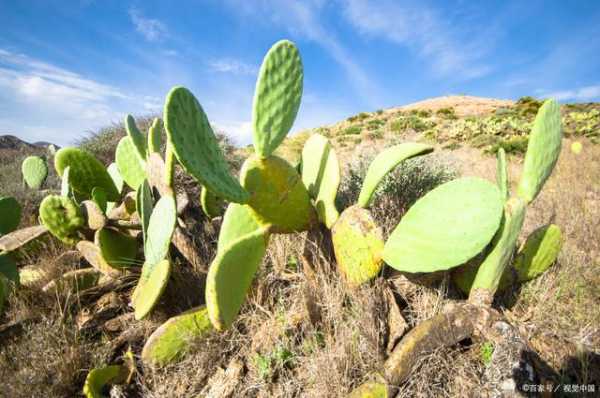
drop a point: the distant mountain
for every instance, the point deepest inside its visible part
(8, 141)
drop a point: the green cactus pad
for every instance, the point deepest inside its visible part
(150, 287)
(154, 136)
(446, 227)
(539, 252)
(277, 195)
(74, 281)
(358, 245)
(144, 204)
(131, 167)
(385, 162)
(212, 206)
(65, 186)
(99, 197)
(62, 217)
(542, 151)
(4, 291)
(35, 171)
(194, 144)
(502, 174)
(31, 275)
(160, 230)
(85, 172)
(118, 250)
(230, 276)
(8, 268)
(237, 221)
(277, 96)
(321, 176)
(115, 175)
(98, 378)
(370, 390)
(21, 237)
(10, 214)
(173, 338)
(137, 138)
(93, 255)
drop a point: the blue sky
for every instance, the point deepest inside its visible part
(70, 67)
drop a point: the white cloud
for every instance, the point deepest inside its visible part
(230, 65)
(239, 131)
(587, 93)
(151, 29)
(422, 30)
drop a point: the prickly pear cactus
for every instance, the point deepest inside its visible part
(4, 291)
(65, 186)
(144, 204)
(85, 172)
(154, 136)
(277, 96)
(385, 162)
(113, 171)
(358, 245)
(119, 250)
(370, 390)
(131, 167)
(150, 287)
(502, 174)
(10, 214)
(277, 195)
(194, 144)
(173, 338)
(35, 171)
(446, 227)
(211, 205)
(99, 197)
(98, 378)
(62, 217)
(539, 252)
(237, 221)
(321, 176)
(93, 255)
(8, 268)
(19, 238)
(137, 138)
(31, 275)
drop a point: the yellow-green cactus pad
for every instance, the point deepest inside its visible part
(446, 227)
(358, 245)
(74, 281)
(195, 145)
(31, 275)
(277, 195)
(237, 221)
(93, 255)
(99, 378)
(144, 204)
(85, 172)
(118, 250)
(62, 217)
(8, 268)
(385, 162)
(99, 197)
(150, 287)
(160, 230)
(10, 214)
(35, 171)
(321, 176)
(154, 136)
(230, 276)
(277, 96)
(542, 151)
(65, 186)
(131, 167)
(113, 172)
(173, 338)
(370, 390)
(502, 174)
(539, 252)
(211, 204)
(137, 138)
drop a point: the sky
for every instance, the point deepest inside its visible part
(68, 68)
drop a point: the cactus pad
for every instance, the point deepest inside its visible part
(118, 250)
(93, 255)
(35, 171)
(65, 186)
(277, 195)
(173, 338)
(539, 252)
(4, 291)
(99, 197)
(154, 136)
(98, 378)
(113, 171)
(10, 214)
(212, 206)
(144, 205)
(230, 276)
(321, 176)
(384, 163)
(62, 217)
(358, 245)
(446, 227)
(370, 390)
(194, 144)
(156, 172)
(85, 172)
(502, 174)
(31, 275)
(160, 230)
(94, 216)
(237, 221)
(277, 96)
(150, 287)
(137, 138)
(542, 151)
(130, 165)
(21, 237)
(8, 268)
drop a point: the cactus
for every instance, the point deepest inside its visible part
(94, 257)
(321, 176)
(173, 338)
(4, 291)
(154, 136)
(98, 378)
(358, 245)
(129, 164)
(85, 172)
(502, 174)
(144, 205)
(277, 96)
(211, 204)
(99, 197)
(150, 287)
(93, 214)
(31, 275)
(384, 163)
(277, 196)
(137, 138)
(74, 281)
(538, 253)
(158, 175)
(62, 217)
(446, 227)
(21, 237)
(65, 186)
(237, 221)
(10, 214)
(194, 144)
(118, 250)
(8, 268)
(35, 171)
(115, 175)
(370, 390)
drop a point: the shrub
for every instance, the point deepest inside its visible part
(359, 117)
(411, 122)
(447, 113)
(352, 130)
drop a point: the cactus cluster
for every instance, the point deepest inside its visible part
(35, 171)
